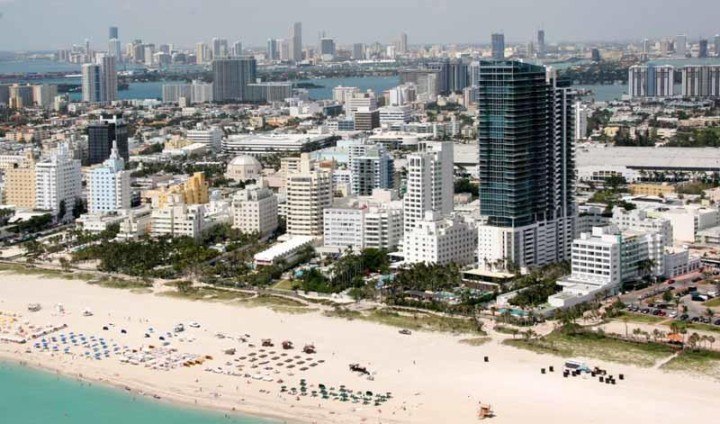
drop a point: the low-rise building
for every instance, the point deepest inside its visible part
(286, 253)
(436, 240)
(243, 168)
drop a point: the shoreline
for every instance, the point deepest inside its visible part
(136, 389)
(432, 376)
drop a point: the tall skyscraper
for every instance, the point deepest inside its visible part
(681, 45)
(541, 43)
(526, 165)
(108, 68)
(429, 182)
(498, 46)
(403, 45)
(103, 135)
(113, 33)
(92, 83)
(295, 40)
(272, 49)
(109, 185)
(231, 77)
(309, 193)
(703, 49)
(115, 48)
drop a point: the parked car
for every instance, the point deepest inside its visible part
(684, 317)
(717, 322)
(645, 310)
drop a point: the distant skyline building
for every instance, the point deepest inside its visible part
(295, 43)
(498, 46)
(403, 45)
(113, 33)
(681, 45)
(358, 51)
(272, 49)
(92, 84)
(219, 48)
(237, 49)
(541, 49)
(327, 49)
(703, 49)
(701, 81)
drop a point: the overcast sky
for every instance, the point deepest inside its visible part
(50, 24)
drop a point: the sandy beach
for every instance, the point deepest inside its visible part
(431, 377)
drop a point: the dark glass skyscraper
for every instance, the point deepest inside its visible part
(101, 135)
(231, 77)
(526, 160)
(113, 32)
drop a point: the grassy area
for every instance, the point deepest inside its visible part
(596, 346)
(285, 285)
(267, 300)
(416, 321)
(47, 273)
(208, 293)
(701, 361)
(640, 318)
(703, 327)
(712, 303)
(477, 341)
(118, 283)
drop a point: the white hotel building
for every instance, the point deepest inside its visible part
(109, 186)
(57, 179)
(438, 240)
(255, 210)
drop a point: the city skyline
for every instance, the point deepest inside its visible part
(434, 21)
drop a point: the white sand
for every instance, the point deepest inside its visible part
(433, 378)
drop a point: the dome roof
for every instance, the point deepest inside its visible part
(245, 161)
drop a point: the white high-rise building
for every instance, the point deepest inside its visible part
(202, 92)
(581, 121)
(172, 93)
(371, 167)
(178, 219)
(394, 114)
(402, 94)
(109, 185)
(44, 95)
(108, 67)
(58, 180)
(430, 185)
(255, 209)
(437, 240)
(701, 81)
(309, 192)
(92, 84)
(364, 222)
(360, 101)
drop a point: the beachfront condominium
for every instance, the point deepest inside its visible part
(430, 184)
(103, 135)
(109, 185)
(651, 81)
(58, 181)
(255, 209)
(371, 167)
(440, 240)
(527, 166)
(498, 46)
(309, 192)
(231, 77)
(295, 43)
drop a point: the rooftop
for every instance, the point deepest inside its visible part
(649, 157)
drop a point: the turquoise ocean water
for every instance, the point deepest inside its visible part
(29, 396)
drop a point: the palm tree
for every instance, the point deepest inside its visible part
(709, 313)
(711, 340)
